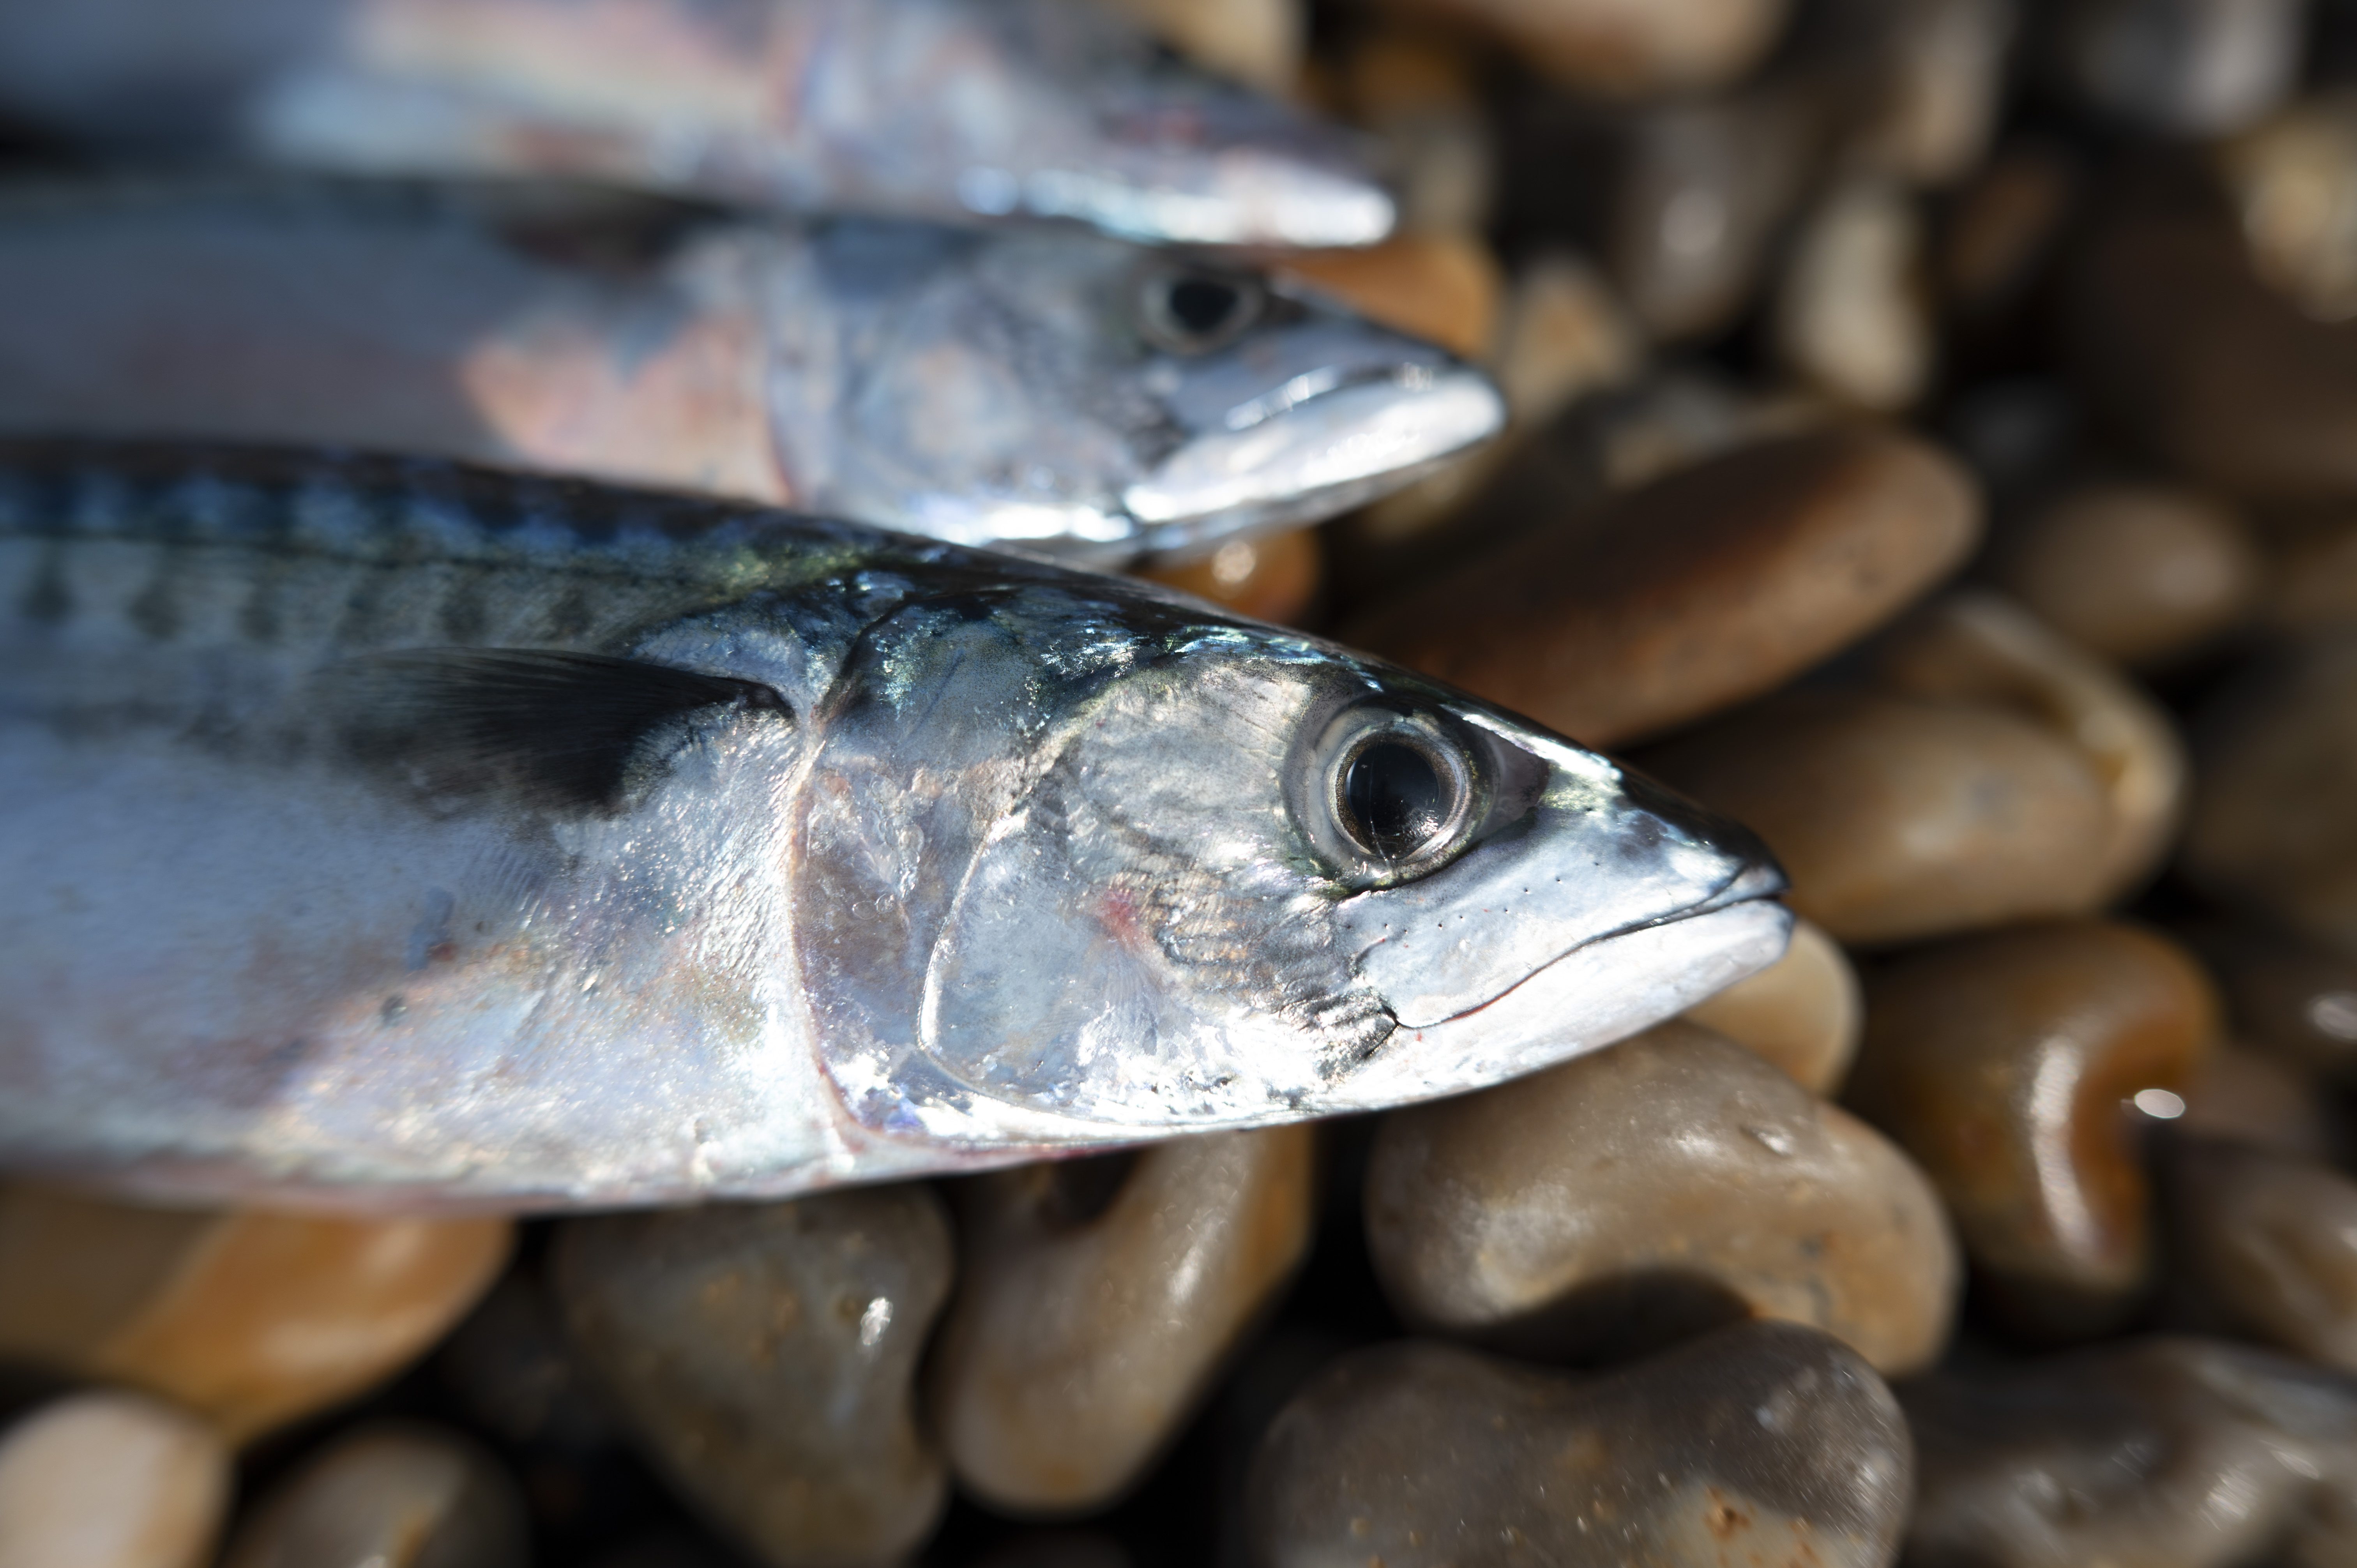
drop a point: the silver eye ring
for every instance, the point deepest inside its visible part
(1194, 311)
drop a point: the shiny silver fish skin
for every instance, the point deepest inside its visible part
(945, 110)
(983, 386)
(385, 833)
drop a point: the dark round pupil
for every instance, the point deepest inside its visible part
(1396, 797)
(1202, 306)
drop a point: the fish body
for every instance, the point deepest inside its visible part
(945, 109)
(389, 834)
(1039, 384)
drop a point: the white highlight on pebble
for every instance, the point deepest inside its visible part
(2159, 1104)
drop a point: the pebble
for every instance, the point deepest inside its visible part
(390, 1495)
(517, 1376)
(2175, 343)
(1443, 287)
(1090, 1321)
(2138, 573)
(1998, 233)
(2002, 1063)
(1617, 49)
(2293, 180)
(2271, 1239)
(765, 1354)
(1418, 92)
(2312, 585)
(252, 1319)
(2275, 770)
(1930, 78)
(2163, 1453)
(2298, 998)
(2260, 1098)
(111, 1481)
(1899, 819)
(1765, 1444)
(1849, 317)
(1273, 577)
(2191, 68)
(1802, 1013)
(1979, 648)
(1708, 586)
(1640, 1193)
(1700, 192)
(1258, 42)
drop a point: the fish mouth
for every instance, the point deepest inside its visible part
(1593, 994)
(1318, 443)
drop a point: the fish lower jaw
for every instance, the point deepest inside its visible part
(1589, 997)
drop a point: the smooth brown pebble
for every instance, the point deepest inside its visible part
(1934, 80)
(2293, 179)
(1979, 648)
(2275, 774)
(1272, 577)
(254, 1319)
(2311, 581)
(2258, 1097)
(390, 1495)
(1899, 819)
(1802, 1013)
(1418, 92)
(2271, 1238)
(2296, 996)
(2142, 574)
(1639, 1193)
(111, 1481)
(1712, 585)
(2163, 1453)
(1088, 1326)
(1764, 1445)
(1849, 316)
(1444, 288)
(1619, 49)
(2002, 1063)
(764, 1353)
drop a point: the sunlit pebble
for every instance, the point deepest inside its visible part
(1235, 563)
(2159, 1104)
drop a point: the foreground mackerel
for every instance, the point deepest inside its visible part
(390, 834)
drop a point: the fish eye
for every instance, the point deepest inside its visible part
(1193, 312)
(1399, 792)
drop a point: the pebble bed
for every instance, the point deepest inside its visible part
(1934, 445)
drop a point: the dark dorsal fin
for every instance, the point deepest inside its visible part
(568, 733)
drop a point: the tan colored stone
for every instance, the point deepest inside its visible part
(1899, 819)
(1802, 1013)
(111, 1481)
(1272, 577)
(1444, 288)
(765, 1355)
(1416, 90)
(1849, 316)
(2137, 573)
(1644, 1191)
(392, 1494)
(1934, 78)
(2293, 180)
(1080, 1339)
(1978, 648)
(1631, 48)
(1715, 584)
(2275, 773)
(252, 1319)
(2271, 1239)
(1761, 1446)
(2000, 1063)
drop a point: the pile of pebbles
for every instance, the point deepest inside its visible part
(1936, 446)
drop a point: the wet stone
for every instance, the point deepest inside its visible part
(2188, 67)
(511, 1368)
(391, 1495)
(2269, 1241)
(1802, 1013)
(1097, 1300)
(252, 1319)
(2142, 574)
(2258, 1097)
(1899, 817)
(1444, 288)
(2005, 1063)
(2165, 1452)
(1646, 1191)
(1273, 577)
(1849, 316)
(1762, 1442)
(111, 1481)
(1980, 648)
(763, 1353)
(2293, 180)
(2297, 997)
(2275, 771)
(1706, 587)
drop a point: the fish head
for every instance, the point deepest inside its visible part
(1237, 876)
(1062, 390)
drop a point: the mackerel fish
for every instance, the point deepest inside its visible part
(947, 110)
(388, 833)
(1043, 385)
